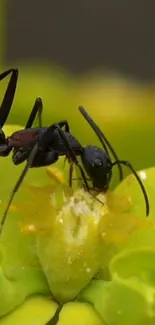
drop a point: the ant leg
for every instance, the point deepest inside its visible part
(5, 149)
(9, 94)
(65, 124)
(54, 320)
(20, 155)
(102, 138)
(67, 129)
(70, 173)
(126, 163)
(45, 159)
(50, 158)
(80, 179)
(19, 182)
(45, 140)
(40, 146)
(37, 109)
(72, 156)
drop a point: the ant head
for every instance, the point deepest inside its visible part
(2, 137)
(98, 166)
(103, 140)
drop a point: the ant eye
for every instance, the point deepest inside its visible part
(97, 162)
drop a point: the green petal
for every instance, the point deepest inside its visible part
(78, 313)
(135, 263)
(18, 285)
(71, 253)
(130, 187)
(34, 311)
(129, 298)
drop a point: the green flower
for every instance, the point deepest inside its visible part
(64, 245)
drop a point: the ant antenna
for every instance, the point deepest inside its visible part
(126, 163)
(102, 138)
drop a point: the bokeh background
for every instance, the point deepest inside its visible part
(100, 54)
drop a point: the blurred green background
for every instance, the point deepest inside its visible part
(96, 54)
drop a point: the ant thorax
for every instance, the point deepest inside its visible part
(24, 138)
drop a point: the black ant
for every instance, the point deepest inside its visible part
(43, 146)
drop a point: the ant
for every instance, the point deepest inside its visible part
(43, 146)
